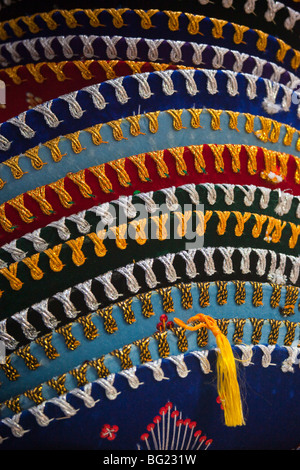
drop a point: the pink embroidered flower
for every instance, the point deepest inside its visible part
(109, 432)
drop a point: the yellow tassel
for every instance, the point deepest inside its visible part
(227, 383)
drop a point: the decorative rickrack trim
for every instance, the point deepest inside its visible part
(105, 387)
(163, 82)
(75, 252)
(269, 131)
(278, 167)
(185, 290)
(174, 53)
(99, 368)
(207, 193)
(140, 277)
(175, 21)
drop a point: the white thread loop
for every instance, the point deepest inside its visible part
(68, 306)
(157, 370)
(108, 385)
(132, 283)
(130, 375)
(28, 330)
(202, 356)
(109, 288)
(89, 298)
(150, 277)
(48, 318)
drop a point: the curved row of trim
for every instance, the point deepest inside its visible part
(105, 182)
(32, 52)
(143, 21)
(171, 231)
(255, 198)
(196, 126)
(154, 91)
(169, 344)
(204, 264)
(109, 388)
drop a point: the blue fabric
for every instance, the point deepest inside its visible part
(139, 105)
(132, 22)
(165, 137)
(268, 423)
(141, 328)
(165, 52)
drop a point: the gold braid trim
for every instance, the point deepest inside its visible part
(257, 324)
(30, 361)
(291, 297)
(126, 308)
(239, 330)
(89, 328)
(186, 295)
(143, 345)
(10, 372)
(167, 300)
(91, 331)
(109, 322)
(276, 162)
(257, 298)
(192, 26)
(182, 342)
(80, 375)
(274, 333)
(35, 395)
(290, 334)
(275, 232)
(202, 337)
(240, 294)
(147, 307)
(46, 343)
(163, 345)
(123, 355)
(58, 384)
(161, 339)
(66, 331)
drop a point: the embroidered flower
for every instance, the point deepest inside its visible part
(109, 432)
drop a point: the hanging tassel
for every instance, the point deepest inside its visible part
(227, 383)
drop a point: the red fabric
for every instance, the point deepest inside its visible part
(29, 92)
(156, 183)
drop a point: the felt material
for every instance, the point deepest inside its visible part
(26, 85)
(224, 197)
(153, 92)
(194, 396)
(137, 326)
(25, 7)
(204, 265)
(75, 198)
(80, 258)
(135, 135)
(71, 268)
(33, 53)
(109, 23)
